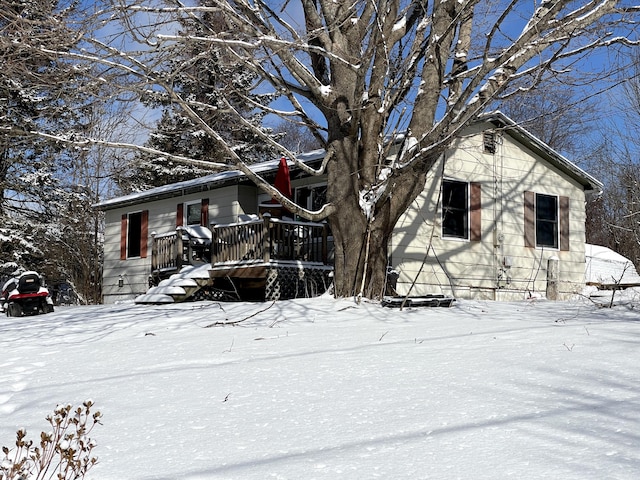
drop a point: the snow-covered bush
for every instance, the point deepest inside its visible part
(64, 453)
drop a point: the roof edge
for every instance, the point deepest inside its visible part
(591, 184)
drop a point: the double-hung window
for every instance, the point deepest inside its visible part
(193, 213)
(546, 221)
(461, 210)
(455, 209)
(133, 235)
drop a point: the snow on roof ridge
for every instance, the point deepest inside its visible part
(262, 167)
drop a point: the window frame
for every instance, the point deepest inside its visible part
(465, 211)
(134, 232)
(182, 214)
(311, 202)
(540, 222)
(197, 206)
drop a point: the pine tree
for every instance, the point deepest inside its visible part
(214, 84)
(38, 92)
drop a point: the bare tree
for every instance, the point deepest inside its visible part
(295, 137)
(556, 114)
(613, 219)
(204, 73)
(356, 74)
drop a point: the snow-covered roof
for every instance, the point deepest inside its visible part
(216, 180)
(207, 182)
(606, 267)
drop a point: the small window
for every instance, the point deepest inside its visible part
(134, 234)
(134, 230)
(546, 221)
(193, 213)
(311, 197)
(455, 209)
(489, 141)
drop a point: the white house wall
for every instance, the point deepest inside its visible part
(499, 266)
(224, 207)
(471, 269)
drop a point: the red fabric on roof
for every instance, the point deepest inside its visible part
(283, 179)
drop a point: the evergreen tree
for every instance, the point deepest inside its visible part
(43, 93)
(219, 88)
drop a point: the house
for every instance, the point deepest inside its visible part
(495, 209)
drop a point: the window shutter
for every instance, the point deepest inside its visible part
(180, 215)
(144, 233)
(529, 219)
(564, 224)
(475, 234)
(123, 237)
(204, 212)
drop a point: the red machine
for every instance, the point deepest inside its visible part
(25, 295)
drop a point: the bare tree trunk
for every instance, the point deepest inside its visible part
(362, 232)
(361, 254)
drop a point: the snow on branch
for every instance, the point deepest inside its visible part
(84, 142)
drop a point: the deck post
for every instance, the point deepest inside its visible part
(215, 243)
(266, 237)
(179, 249)
(154, 252)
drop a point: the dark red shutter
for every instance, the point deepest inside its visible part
(180, 215)
(529, 219)
(475, 235)
(123, 237)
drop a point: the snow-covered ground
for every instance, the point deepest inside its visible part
(326, 389)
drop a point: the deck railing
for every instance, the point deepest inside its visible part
(170, 251)
(261, 240)
(166, 252)
(270, 239)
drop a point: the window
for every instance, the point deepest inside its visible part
(546, 221)
(455, 209)
(312, 197)
(193, 213)
(462, 210)
(133, 235)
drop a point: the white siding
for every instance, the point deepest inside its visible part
(224, 207)
(464, 268)
(475, 269)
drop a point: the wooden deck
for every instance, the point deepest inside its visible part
(263, 259)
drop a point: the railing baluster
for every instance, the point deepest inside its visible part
(261, 240)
